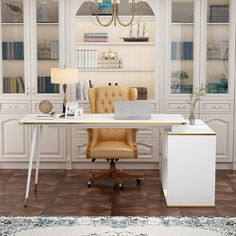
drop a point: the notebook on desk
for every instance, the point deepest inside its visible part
(132, 110)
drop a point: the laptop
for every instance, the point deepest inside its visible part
(132, 110)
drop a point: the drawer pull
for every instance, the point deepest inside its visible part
(216, 107)
(181, 107)
(13, 107)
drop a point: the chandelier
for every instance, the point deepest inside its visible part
(113, 7)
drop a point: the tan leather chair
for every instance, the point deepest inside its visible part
(111, 144)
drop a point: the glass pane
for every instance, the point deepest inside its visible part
(182, 46)
(12, 46)
(217, 46)
(47, 44)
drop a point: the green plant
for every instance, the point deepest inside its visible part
(179, 76)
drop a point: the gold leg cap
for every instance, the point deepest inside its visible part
(25, 204)
(35, 188)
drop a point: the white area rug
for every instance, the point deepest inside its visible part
(117, 226)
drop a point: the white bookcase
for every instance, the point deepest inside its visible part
(190, 23)
(25, 76)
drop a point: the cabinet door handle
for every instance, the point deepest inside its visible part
(27, 91)
(13, 106)
(33, 91)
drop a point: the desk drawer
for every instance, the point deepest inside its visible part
(177, 107)
(217, 107)
(57, 106)
(14, 107)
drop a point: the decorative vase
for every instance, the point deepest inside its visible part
(192, 117)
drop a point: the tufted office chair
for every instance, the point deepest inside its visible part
(111, 144)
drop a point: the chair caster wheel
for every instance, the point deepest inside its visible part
(138, 180)
(89, 184)
(120, 186)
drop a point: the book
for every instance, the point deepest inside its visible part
(46, 116)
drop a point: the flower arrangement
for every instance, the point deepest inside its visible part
(193, 99)
(196, 95)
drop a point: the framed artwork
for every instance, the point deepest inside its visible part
(73, 110)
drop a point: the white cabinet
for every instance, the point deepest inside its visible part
(187, 171)
(222, 124)
(14, 139)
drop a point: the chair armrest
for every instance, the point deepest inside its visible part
(131, 140)
(92, 141)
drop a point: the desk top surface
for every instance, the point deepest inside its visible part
(106, 119)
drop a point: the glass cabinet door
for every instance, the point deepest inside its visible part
(182, 34)
(217, 46)
(47, 44)
(12, 37)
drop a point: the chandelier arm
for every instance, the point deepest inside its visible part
(133, 10)
(98, 19)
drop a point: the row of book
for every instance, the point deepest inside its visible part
(218, 13)
(86, 59)
(45, 85)
(48, 50)
(82, 90)
(95, 37)
(181, 50)
(13, 84)
(12, 50)
(218, 50)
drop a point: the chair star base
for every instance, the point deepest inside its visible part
(114, 174)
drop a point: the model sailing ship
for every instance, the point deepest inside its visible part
(134, 34)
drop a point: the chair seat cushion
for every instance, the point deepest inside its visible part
(112, 149)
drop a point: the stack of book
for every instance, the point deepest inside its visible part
(181, 50)
(45, 85)
(86, 59)
(46, 116)
(95, 37)
(12, 50)
(218, 13)
(13, 84)
(109, 63)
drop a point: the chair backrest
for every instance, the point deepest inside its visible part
(102, 101)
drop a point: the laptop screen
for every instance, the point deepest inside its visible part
(132, 110)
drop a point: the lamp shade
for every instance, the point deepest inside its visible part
(64, 75)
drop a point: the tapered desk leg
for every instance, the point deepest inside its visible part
(37, 157)
(32, 152)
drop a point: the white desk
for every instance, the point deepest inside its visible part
(182, 147)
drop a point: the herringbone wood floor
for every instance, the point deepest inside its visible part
(62, 192)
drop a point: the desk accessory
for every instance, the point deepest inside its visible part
(45, 106)
(72, 110)
(48, 116)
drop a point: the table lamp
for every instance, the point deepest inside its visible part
(64, 76)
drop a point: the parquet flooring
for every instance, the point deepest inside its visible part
(62, 192)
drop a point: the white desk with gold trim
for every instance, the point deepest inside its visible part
(187, 163)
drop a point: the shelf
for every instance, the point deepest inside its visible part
(48, 59)
(181, 23)
(122, 17)
(215, 23)
(113, 70)
(115, 44)
(12, 60)
(49, 23)
(12, 23)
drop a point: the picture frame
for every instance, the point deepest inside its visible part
(71, 108)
